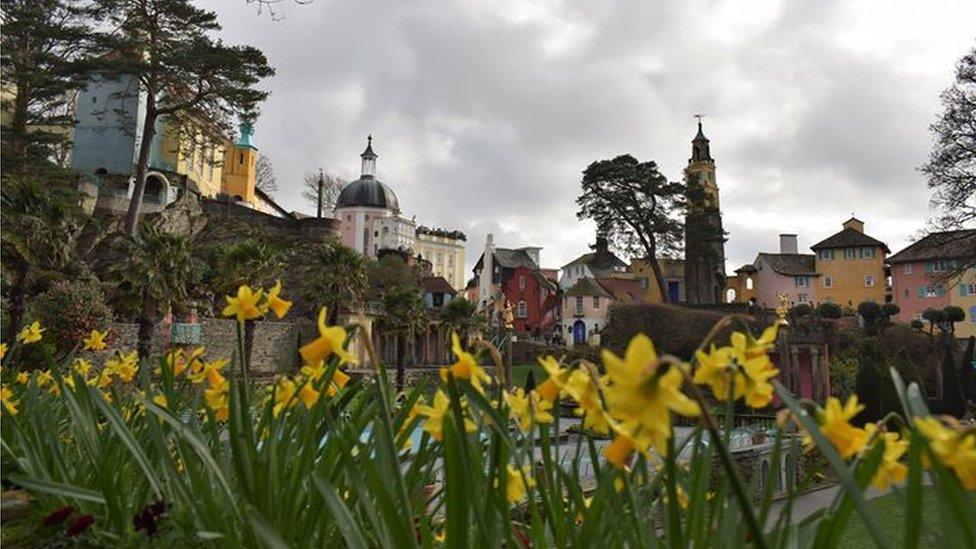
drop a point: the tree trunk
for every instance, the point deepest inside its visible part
(659, 278)
(142, 165)
(18, 126)
(18, 302)
(145, 328)
(400, 373)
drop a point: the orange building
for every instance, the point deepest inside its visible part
(851, 266)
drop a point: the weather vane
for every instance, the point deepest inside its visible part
(699, 117)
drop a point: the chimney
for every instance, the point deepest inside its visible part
(787, 244)
(602, 246)
(854, 223)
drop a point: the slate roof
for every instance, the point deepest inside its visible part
(849, 238)
(587, 286)
(944, 245)
(790, 264)
(599, 261)
(747, 268)
(510, 259)
(626, 290)
(369, 192)
(437, 285)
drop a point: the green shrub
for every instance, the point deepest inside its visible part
(829, 309)
(801, 310)
(70, 310)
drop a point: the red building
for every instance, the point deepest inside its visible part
(924, 275)
(518, 280)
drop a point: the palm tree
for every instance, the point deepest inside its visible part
(333, 274)
(404, 312)
(250, 261)
(461, 316)
(155, 272)
(41, 223)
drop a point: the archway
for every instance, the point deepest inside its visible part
(730, 295)
(579, 332)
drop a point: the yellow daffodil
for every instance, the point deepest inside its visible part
(745, 364)
(517, 483)
(330, 342)
(308, 395)
(31, 333)
(207, 370)
(275, 303)
(160, 400)
(528, 409)
(836, 427)
(125, 366)
(95, 341)
(890, 470)
(582, 388)
(434, 416)
(104, 378)
(3, 350)
(7, 399)
(44, 377)
(218, 400)
(339, 380)
(641, 394)
(466, 367)
(83, 367)
(953, 446)
(284, 395)
(23, 378)
(619, 450)
(247, 305)
(551, 388)
(314, 372)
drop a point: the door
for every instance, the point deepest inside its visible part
(674, 291)
(579, 332)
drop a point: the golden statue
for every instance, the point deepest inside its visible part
(508, 315)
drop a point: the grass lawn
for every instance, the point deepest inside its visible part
(520, 372)
(889, 512)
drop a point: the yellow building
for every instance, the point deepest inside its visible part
(851, 266)
(741, 287)
(194, 149)
(240, 167)
(673, 272)
(963, 295)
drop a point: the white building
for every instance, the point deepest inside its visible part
(445, 251)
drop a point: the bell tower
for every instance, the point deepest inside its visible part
(240, 166)
(704, 235)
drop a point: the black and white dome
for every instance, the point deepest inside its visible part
(367, 191)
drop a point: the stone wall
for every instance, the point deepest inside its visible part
(275, 347)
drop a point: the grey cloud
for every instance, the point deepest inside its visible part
(485, 118)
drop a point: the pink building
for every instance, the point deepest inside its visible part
(787, 273)
(920, 274)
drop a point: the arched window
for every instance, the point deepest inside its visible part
(749, 283)
(523, 310)
(730, 295)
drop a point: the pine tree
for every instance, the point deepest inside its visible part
(43, 49)
(184, 73)
(634, 205)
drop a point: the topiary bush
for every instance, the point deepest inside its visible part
(801, 310)
(70, 310)
(829, 309)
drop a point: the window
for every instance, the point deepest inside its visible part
(869, 281)
(749, 283)
(828, 282)
(596, 302)
(801, 298)
(972, 314)
(867, 252)
(906, 293)
(521, 282)
(802, 281)
(908, 269)
(242, 159)
(849, 253)
(967, 289)
(365, 240)
(579, 305)
(522, 309)
(826, 254)
(939, 266)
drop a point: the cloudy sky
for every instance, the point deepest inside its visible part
(485, 112)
